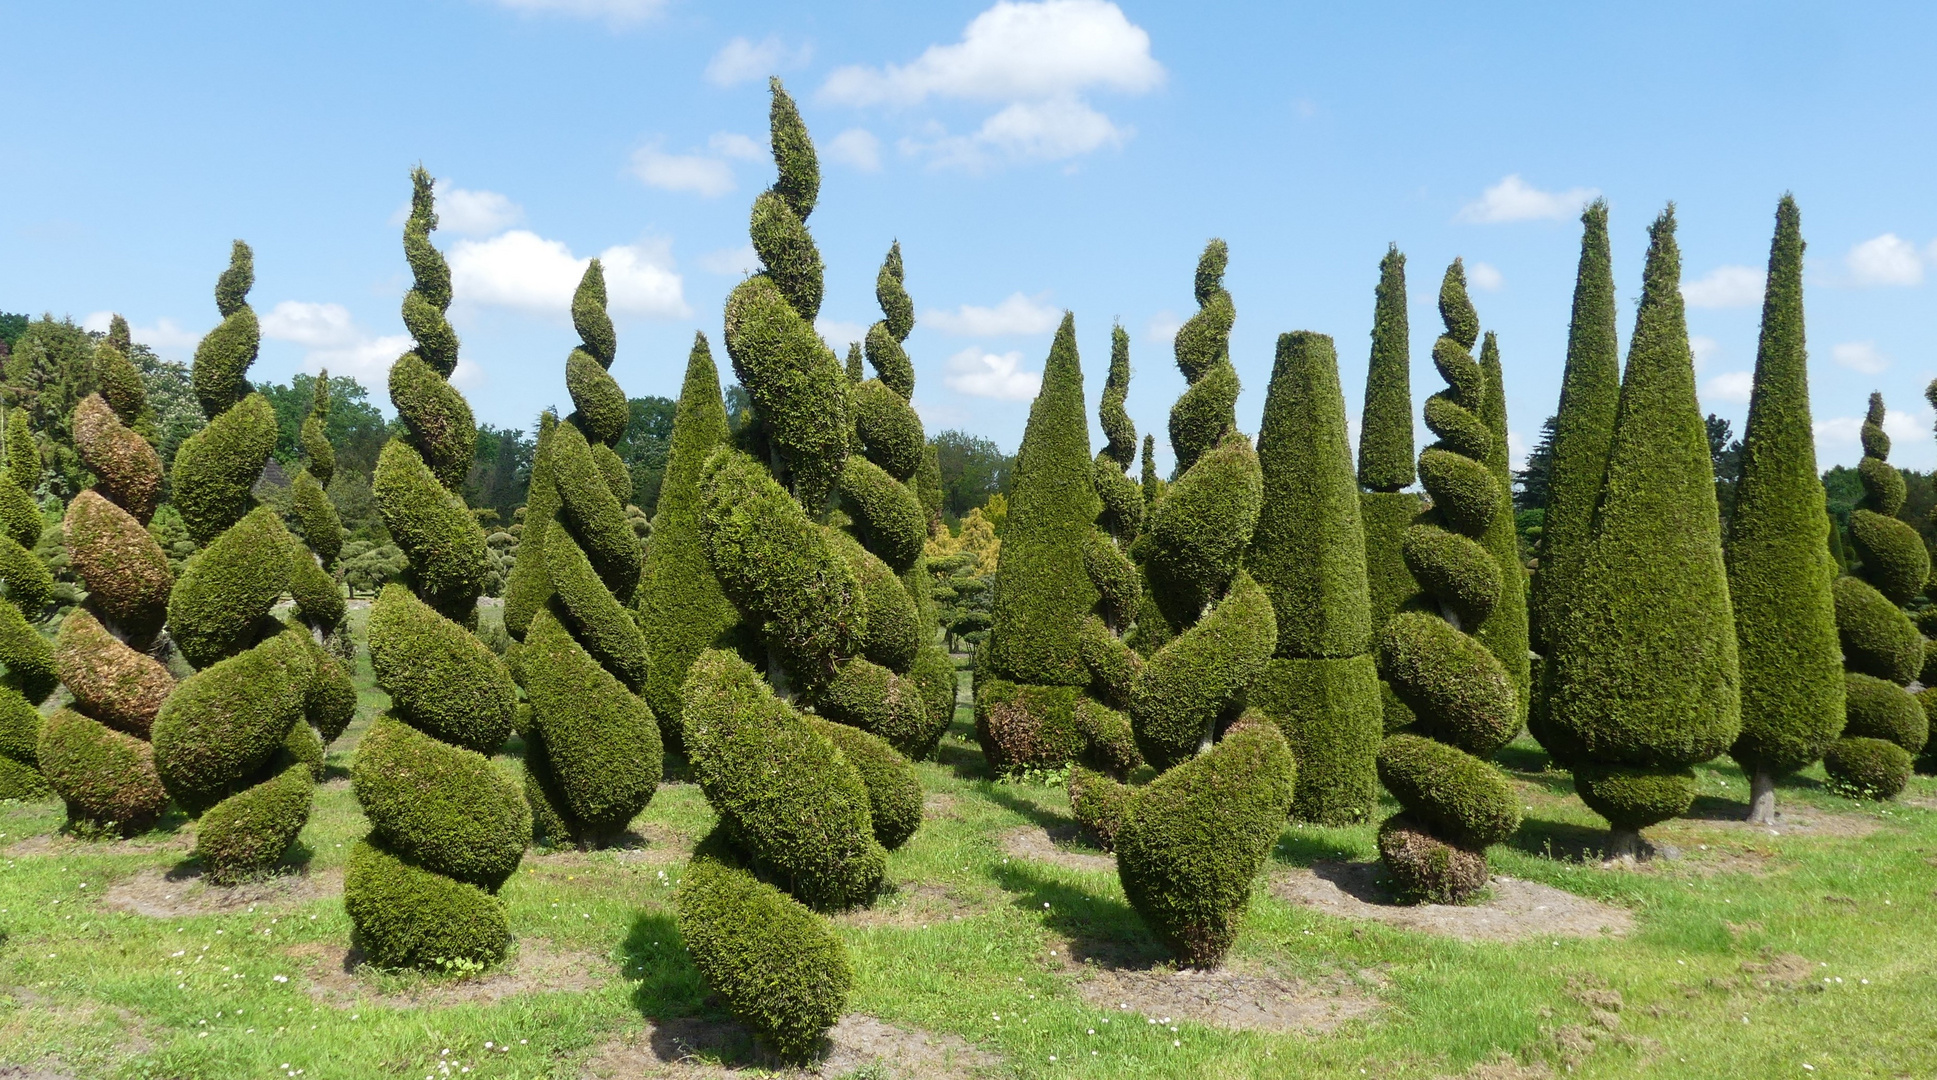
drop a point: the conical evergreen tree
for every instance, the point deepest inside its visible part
(1780, 569)
(592, 747)
(1152, 484)
(1453, 803)
(1884, 727)
(805, 806)
(1643, 675)
(23, 453)
(1504, 631)
(1322, 685)
(1590, 387)
(230, 742)
(1386, 510)
(447, 826)
(30, 673)
(682, 609)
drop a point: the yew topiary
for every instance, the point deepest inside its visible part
(29, 664)
(421, 887)
(1463, 696)
(1385, 464)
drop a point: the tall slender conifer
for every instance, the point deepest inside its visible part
(1386, 509)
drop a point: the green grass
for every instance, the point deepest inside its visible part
(106, 994)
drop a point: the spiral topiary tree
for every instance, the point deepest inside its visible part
(1190, 843)
(1453, 802)
(319, 599)
(230, 743)
(1386, 509)
(30, 673)
(1884, 727)
(1321, 686)
(1583, 430)
(682, 609)
(447, 827)
(805, 806)
(1643, 679)
(1779, 564)
(592, 747)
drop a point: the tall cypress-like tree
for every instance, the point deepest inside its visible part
(1453, 803)
(30, 673)
(230, 742)
(1386, 510)
(1590, 388)
(1884, 727)
(592, 747)
(1643, 675)
(804, 802)
(1321, 686)
(682, 609)
(447, 826)
(1779, 564)
(1504, 630)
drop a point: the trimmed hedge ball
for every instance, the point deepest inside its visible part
(1868, 768)
(1635, 798)
(407, 916)
(894, 793)
(1878, 638)
(1456, 688)
(1449, 792)
(1426, 869)
(1877, 709)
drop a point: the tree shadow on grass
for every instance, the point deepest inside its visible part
(1007, 798)
(1523, 758)
(1101, 930)
(1300, 847)
(668, 984)
(1716, 808)
(1559, 840)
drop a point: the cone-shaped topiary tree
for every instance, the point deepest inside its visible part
(1453, 803)
(592, 747)
(1504, 631)
(1590, 387)
(1190, 843)
(22, 451)
(682, 609)
(1643, 678)
(1321, 686)
(30, 674)
(1386, 509)
(804, 806)
(230, 742)
(1153, 485)
(1882, 648)
(1779, 565)
(447, 827)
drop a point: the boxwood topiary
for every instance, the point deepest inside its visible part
(1877, 637)
(226, 589)
(441, 679)
(1878, 709)
(106, 779)
(599, 740)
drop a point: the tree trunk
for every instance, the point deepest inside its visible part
(1625, 844)
(1762, 798)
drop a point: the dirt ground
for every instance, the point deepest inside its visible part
(1513, 910)
(338, 976)
(167, 894)
(1036, 844)
(696, 1049)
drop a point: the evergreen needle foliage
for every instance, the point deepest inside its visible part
(30, 672)
(1386, 464)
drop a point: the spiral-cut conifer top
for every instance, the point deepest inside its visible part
(222, 359)
(1207, 410)
(602, 411)
(436, 415)
(316, 444)
(884, 346)
(1120, 434)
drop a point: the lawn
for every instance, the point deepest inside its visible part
(1755, 953)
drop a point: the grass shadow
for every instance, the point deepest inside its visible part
(1521, 757)
(1716, 808)
(1101, 930)
(1299, 847)
(1559, 840)
(1029, 808)
(668, 984)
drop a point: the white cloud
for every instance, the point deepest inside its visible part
(1485, 277)
(730, 261)
(984, 374)
(523, 270)
(1733, 387)
(1513, 199)
(367, 360)
(839, 334)
(1018, 314)
(735, 145)
(1037, 59)
(705, 176)
(474, 213)
(166, 337)
(315, 325)
(615, 12)
(1859, 356)
(1725, 287)
(856, 147)
(1847, 431)
(1705, 349)
(1885, 260)
(98, 321)
(741, 60)
(1162, 328)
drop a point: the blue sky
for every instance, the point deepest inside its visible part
(1030, 157)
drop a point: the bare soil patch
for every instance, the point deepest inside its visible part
(1501, 1067)
(697, 1049)
(167, 894)
(56, 843)
(915, 906)
(1033, 843)
(1801, 821)
(1230, 999)
(940, 804)
(341, 978)
(32, 1072)
(650, 843)
(1513, 910)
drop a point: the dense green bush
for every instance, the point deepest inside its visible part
(222, 724)
(442, 680)
(226, 590)
(443, 807)
(1452, 794)
(599, 740)
(1878, 709)
(106, 778)
(1868, 768)
(894, 793)
(1200, 675)
(114, 684)
(1780, 570)
(1877, 637)
(407, 916)
(1643, 676)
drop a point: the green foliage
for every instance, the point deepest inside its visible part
(437, 532)
(110, 682)
(1192, 841)
(894, 793)
(26, 655)
(1119, 434)
(125, 571)
(127, 470)
(444, 808)
(529, 585)
(223, 356)
(1635, 797)
(889, 430)
(1868, 768)
(225, 722)
(1644, 675)
(1185, 687)
(885, 337)
(1196, 538)
(315, 437)
(1456, 796)
(1020, 725)
(1504, 628)
(1204, 413)
(106, 778)
(1455, 570)
(682, 609)
(216, 467)
(1385, 441)
(28, 581)
(600, 742)
(796, 385)
(807, 824)
(218, 604)
(587, 505)
(1780, 570)
(1329, 712)
(780, 968)
(875, 699)
(602, 625)
(441, 679)
(887, 513)
(1458, 690)
(22, 453)
(1877, 637)
(315, 518)
(407, 916)
(246, 834)
(1892, 555)
(1880, 709)
(972, 468)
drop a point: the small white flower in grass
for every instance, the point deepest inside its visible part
(280, 978)
(1175, 1042)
